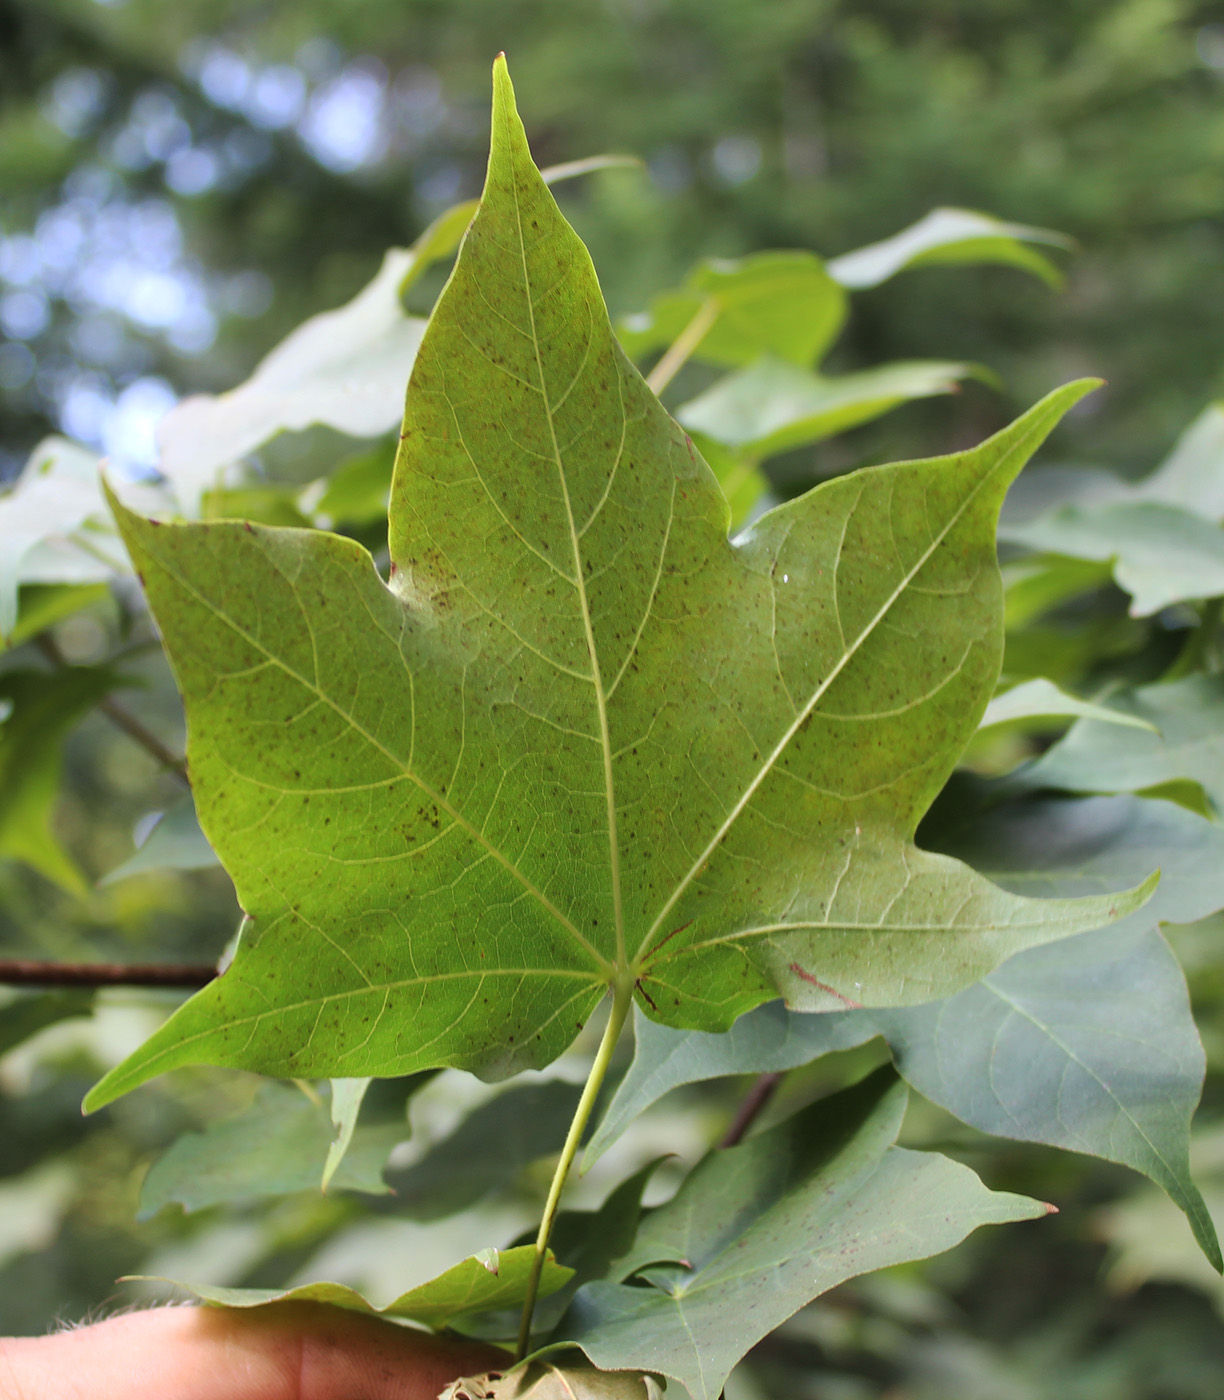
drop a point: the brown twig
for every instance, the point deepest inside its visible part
(124, 719)
(134, 729)
(29, 972)
(754, 1101)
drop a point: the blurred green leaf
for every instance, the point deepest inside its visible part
(32, 1206)
(1041, 699)
(269, 505)
(772, 406)
(57, 492)
(1192, 475)
(45, 706)
(42, 605)
(1145, 1244)
(783, 304)
(358, 491)
(487, 1150)
(1187, 745)
(1037, 584)
(25, 1016)
(1160, 554)
(491, 1279)
(280, 1144)
(1190, 478)
(346, 1099)
(175, 843)
(950, 236)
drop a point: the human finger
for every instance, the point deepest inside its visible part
(293, 1351)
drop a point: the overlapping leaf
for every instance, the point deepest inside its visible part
(1160, 536)
(1160, 554)
(48, 526)
(783, 304)
(491, 1279)
(792, 305)
(758, 1231)
(772, 406)
(1086, 1044)
(280, 1144)
(772, 316)
(580, 740)
(1184, 745)
(1041, 699)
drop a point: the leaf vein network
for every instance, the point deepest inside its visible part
(478, 836)
(822, 689)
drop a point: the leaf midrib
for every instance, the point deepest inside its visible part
(601, 706)
(1073, 1057)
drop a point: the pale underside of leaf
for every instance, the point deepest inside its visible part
(1040, 699)
(580, 739)
(1160, 553)
(949, 236)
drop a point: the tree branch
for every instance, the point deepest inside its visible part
(29, 972)
(149, 741)
(754, 1101)
(124, 719)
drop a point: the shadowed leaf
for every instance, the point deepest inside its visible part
(280, 1144)
(757, 1231)
(491, 1279)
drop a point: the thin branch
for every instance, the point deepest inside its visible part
(754, 1101)
(124, 719)
(29, 972)
(134, 729)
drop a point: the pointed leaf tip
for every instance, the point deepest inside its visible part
(503, 88)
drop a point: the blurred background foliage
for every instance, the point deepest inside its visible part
(197, 178)
(184, 184)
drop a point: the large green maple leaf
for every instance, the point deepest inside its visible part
(580, 739)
